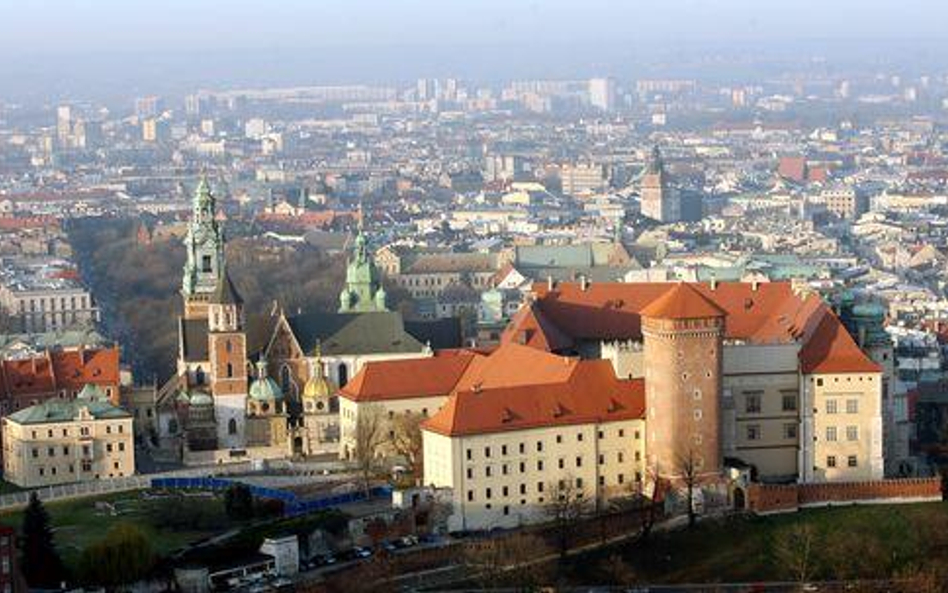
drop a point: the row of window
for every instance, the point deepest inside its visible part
(752, 403)
(86, 450)
(852, 406)
(523, 490)
(753, 432)
(83, 431)
(522, 447)
(40, 303)
(561, 463)
(851, 461)
(852, 433)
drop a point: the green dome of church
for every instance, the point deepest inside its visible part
(264, 388)
(363, 292)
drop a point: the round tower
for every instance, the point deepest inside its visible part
(682, 334)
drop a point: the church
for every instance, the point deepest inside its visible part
(226, 403)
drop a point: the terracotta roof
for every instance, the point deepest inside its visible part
(682, 302)
(766, 313)
(56, 370)
(830, 349)
(591, 393)
(401, 379)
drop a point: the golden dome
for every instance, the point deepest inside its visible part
(318, 386)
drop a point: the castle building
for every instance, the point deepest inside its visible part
(611, 386)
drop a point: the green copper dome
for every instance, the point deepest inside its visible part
(264, 388)
(363, 292)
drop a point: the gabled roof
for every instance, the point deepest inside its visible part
(830, 349)
(403, 379)
(353, 333)
(765, 313)
(56, 370)
(682, 302)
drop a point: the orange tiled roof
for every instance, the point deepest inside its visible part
(767, 313)
(682, 302)
(830, 349)
(400, 379)
(590, 393)
(56, 370)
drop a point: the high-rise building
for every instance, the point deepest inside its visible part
(64, 125)
(602, 93)
(146, 107)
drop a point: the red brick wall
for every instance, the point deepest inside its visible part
(763, 498)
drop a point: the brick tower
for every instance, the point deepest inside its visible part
(682, 331)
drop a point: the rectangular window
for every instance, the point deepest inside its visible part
(620, 478)
(579, 436)
(790, 430)
(789, 403)
(539, 446)
(559, 438)
(487, 471)
(470, 495)
(852, 433)
(540, 465)
(831, 433)
(851, 461)
(852, 406)
(470, 473)
(539, 486)
(831, 461)
(486, 451)
(522, 448)
(753, 432)
(602, 459)
(470, 454)
(752, 403)
(579, 461)
(561, 462)
(487, 493)
(621, 432)
(831, 406)
(503, 449)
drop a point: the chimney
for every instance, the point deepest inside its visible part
(754, 284)
(583, 283)
(550, 285)
(714, 282)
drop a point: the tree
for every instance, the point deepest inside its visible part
(689, 471)
(41, 564)
(368, 437)
(566, 507)
(794, 549)
(406, 441)
(238, 502)
(511, 560)
(122, 557)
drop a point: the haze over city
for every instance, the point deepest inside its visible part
(473, 295)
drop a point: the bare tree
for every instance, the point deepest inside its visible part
(689, 469)
(407, 443)
(566, 507)
(369, 435)
(794, 549)
(514, 560)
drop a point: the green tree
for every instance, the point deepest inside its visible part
(238, 502)
(41, 564)
(122, 557)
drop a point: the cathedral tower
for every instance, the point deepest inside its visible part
(204, 243)
(363, 292)
(659, 200)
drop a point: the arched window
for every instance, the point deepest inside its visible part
(343, 375)
(199, 376)
(229, 346)
(285, 377)
(231, 426)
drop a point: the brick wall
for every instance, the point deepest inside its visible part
(768, 498)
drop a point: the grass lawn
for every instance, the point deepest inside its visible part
(77, 523)
(871, 541)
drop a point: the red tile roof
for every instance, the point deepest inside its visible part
(766, 313)
(589, 393)
(402, 379)
(830, 349)
(56, 370)
(682, 302)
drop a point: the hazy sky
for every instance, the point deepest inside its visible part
(28, 26)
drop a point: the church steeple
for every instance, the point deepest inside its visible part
(204, 243)
(363, 292)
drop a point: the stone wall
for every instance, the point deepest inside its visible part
(772, 498)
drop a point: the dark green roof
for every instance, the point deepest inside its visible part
(353, 333)
(57, 410)
(225, 293)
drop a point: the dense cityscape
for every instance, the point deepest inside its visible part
(605, 332)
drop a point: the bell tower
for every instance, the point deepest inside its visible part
(227, 350)
(204, 244)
